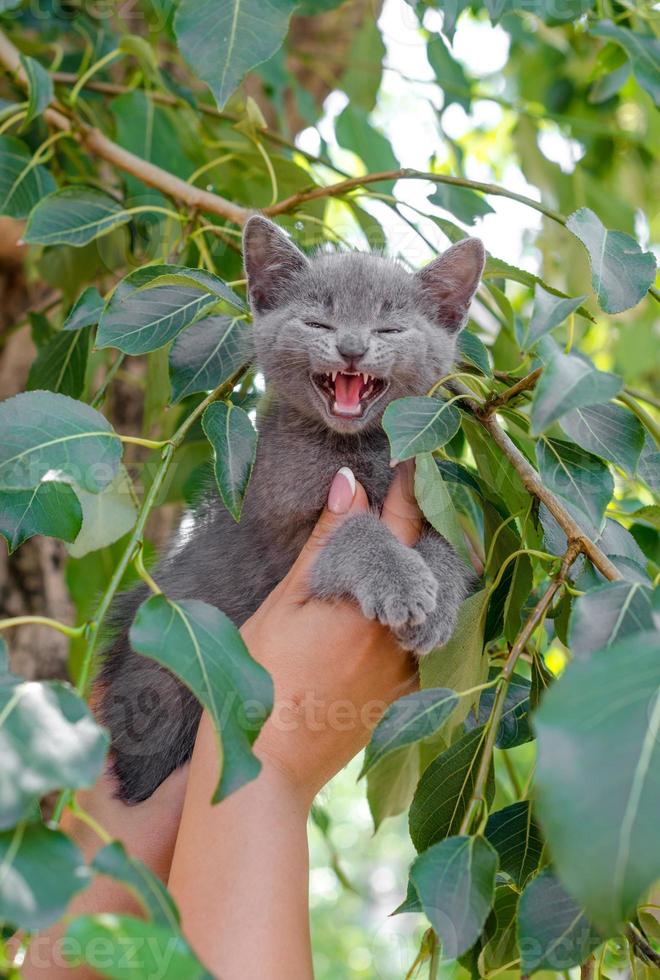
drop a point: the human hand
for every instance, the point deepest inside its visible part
(334, 671)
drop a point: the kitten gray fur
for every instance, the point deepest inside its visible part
(152, 717)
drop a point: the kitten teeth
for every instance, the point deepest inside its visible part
(365, 377)
(334, 376)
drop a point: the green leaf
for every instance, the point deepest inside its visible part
(546, 10)
(608, 431)
(455, 881)
(599, 811)
(553, 932)
(113, 860)
(61, 364)
(517, 839)
(229, 430)
(411, 902)
(518, 596)
(41, 329)
(355, 132)
(48, 740)
(501, 946)
(207, 354)
(40, 88)
(122, 947)
(156, 134)
(569, 381)
(463, 203)
(621, 273)
(41, 872)
(456, 87)
(409, 719)
(362, 77)
(222, 41)
(50, 508)
(106, 516)
(21, 184)
(203, 648)
(576, 476)
(452, 9)
(419, 425)
(609, 613)
(495, 469)
(542, 679)
(152, 305)
(609, 84)
(461, 663)
(46, 433)
(549, 312)
(499, 269)
(179, 275)
(443, 792)
(470, 348)
(86, 311)
(435, 501)
(391, 783)
(514, 728)
(74, 216)
(642, 49)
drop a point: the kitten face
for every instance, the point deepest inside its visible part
(341, 335)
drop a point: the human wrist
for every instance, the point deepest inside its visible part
(281, 778)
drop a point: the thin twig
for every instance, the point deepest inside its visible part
(164, 98)
(95, 141)
(538, 613)
(587, 968)
(643, 396)
(335, 190)
(525, 384)
(533, 485)
(647, 420)
(641, 947)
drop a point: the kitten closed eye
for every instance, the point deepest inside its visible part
(318, 326)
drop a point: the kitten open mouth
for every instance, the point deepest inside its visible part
(348, 395)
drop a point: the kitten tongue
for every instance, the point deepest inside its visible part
(347, 393)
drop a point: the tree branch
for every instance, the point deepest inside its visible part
(641, 947)
(497, 401)
(588, 968)
(174, 187)
(164, 98)
(95, 141)
(523, 638)
(406, 173)
(533, 484)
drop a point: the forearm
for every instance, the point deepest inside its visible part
(148, 831)
(240, 873)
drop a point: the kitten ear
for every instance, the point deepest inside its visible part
(450, 281)
(271, 260)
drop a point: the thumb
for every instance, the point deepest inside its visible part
(401, 512)
(345, 498)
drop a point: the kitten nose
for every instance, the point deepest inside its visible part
(352, 345)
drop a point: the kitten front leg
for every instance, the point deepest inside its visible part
(455, 582)
(364, 561)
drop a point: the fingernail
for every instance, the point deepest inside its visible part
(342, 491)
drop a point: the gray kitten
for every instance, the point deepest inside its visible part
(337, 337)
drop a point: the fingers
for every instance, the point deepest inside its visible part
(346, 497)
(401, 513)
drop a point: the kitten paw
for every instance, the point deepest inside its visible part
(434, 632)
(402, 595)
